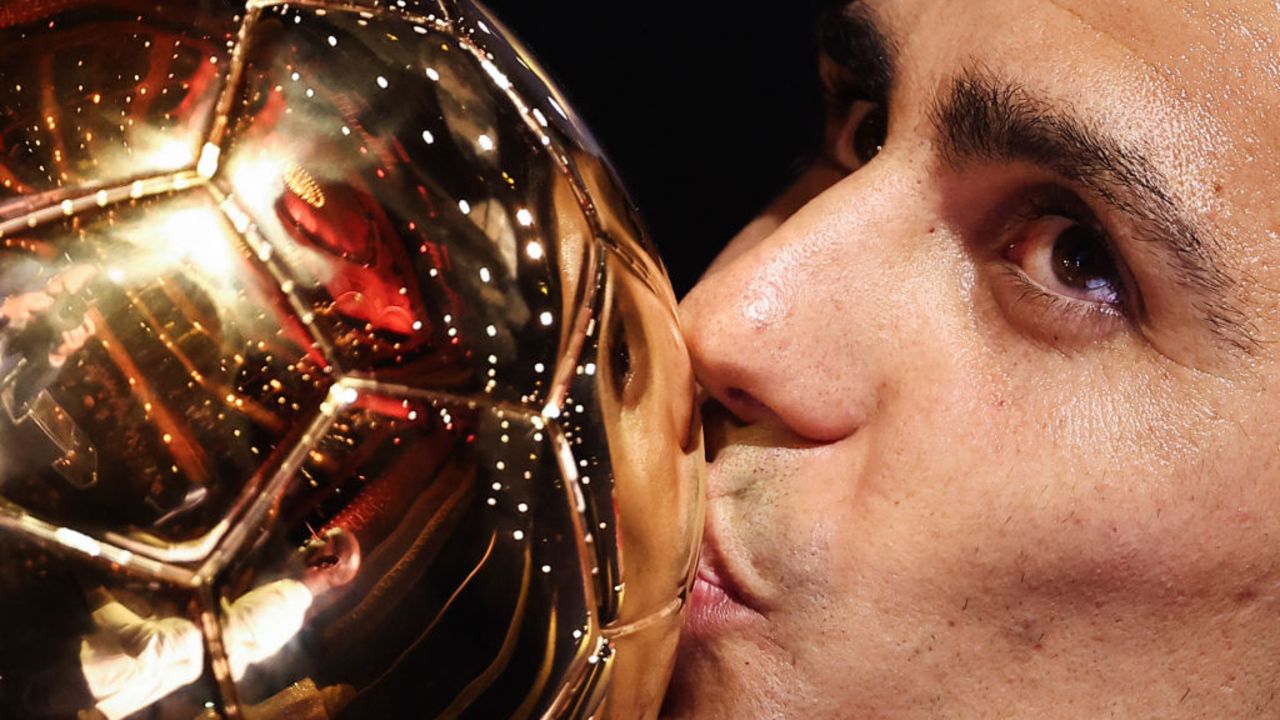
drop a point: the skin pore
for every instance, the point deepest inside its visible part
(995, 415)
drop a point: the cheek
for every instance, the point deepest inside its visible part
(1046, 483)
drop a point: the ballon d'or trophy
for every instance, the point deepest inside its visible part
(337, 379)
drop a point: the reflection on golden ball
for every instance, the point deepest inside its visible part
(336, 378)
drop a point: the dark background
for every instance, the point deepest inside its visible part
(706, 108)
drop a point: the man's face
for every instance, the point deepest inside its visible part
(1001, 433)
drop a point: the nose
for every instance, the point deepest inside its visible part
(799, 322)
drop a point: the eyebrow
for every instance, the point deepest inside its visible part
(849, 34)
(983, 118)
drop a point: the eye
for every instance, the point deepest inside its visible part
(869, 132)
(1067, 258)
(858, 135)
(620, 351)
(1062, 277)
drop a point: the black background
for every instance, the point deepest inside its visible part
(706, 108)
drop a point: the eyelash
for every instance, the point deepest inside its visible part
(1082, 317)
(1056, 307)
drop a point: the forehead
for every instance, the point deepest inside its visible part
(1222, 55)
(1174, 34)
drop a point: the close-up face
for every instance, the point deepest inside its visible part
(994, 427)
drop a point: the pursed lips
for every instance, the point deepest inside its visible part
(718, 602)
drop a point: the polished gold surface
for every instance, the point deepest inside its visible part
(337, 378)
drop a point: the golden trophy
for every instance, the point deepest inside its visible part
(337, 379)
